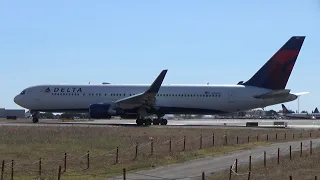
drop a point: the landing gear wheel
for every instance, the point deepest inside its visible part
(163, 121)
(156, 121)
(35, 120)
(139, 122)
(148, 122)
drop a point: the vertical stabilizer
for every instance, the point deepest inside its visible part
(276, 71)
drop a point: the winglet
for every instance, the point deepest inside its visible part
(155, 86)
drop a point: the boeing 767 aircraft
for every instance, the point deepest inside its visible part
(266, 87)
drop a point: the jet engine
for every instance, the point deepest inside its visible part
(101, 111)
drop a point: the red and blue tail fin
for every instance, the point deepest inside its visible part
(275, 73)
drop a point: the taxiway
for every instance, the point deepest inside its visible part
(205, 123)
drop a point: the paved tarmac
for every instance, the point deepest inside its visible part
(209, 123)
(193, 169)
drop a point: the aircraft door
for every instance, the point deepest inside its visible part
(231, 97)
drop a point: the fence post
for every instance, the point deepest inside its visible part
(151, 145)
(310, 135)
(230, 172)
(124, 173)
(117, 155)
(315, 177)
(310, 147)
(184, 143)
(250, 163)
(276, 136)
(136, 154)
(200, 141)
(248, 139)
(203, 177)
(236, 166)
(12, 169)
(226, 139)
(2, 170)
(40, 167)
(249, 175)
(59, 173)
(170, 145)
(65, 162)
(290, 153)
(293, 136)
(88, 160)
(265, 159)
(285, 136)
(267, 137)
(290, 177)
(300, 149)
(212, 139)
(278, 156)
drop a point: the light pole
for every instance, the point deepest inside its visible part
(298, 104)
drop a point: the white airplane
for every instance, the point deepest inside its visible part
(292, 115)
(266, 87)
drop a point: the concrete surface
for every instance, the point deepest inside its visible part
(306, 123)
(193, 169)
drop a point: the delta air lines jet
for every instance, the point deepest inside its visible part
(266, 87)
(291, 115)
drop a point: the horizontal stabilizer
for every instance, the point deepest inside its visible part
(300, 93)
(273, 94)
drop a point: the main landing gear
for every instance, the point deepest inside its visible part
(35, 117)
(149, 121)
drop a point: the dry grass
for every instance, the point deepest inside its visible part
(304, 167)
(25, 145)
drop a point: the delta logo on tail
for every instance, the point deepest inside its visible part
(275, 73)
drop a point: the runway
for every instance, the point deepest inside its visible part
(222, 123)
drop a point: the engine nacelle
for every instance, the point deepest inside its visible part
(101, 111)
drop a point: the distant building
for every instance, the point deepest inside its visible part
(12, 113)
(2, 113)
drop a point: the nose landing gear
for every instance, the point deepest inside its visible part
(35, 117)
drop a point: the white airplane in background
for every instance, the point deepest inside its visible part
(292, 115)
(266, 87)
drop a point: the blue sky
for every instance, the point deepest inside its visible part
(74, 42)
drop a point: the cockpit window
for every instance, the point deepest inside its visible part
(23, 92)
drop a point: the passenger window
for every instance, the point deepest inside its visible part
(23, 92)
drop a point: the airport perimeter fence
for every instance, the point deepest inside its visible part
(294, 152)
(100, 164)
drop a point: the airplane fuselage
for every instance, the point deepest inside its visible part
(171, 99)
(303, 116)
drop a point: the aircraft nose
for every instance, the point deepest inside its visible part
(17, 99)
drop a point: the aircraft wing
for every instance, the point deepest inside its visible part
(146, 99)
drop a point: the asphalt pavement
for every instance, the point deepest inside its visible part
(193, 169)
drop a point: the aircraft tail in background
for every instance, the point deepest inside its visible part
(285, 110)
